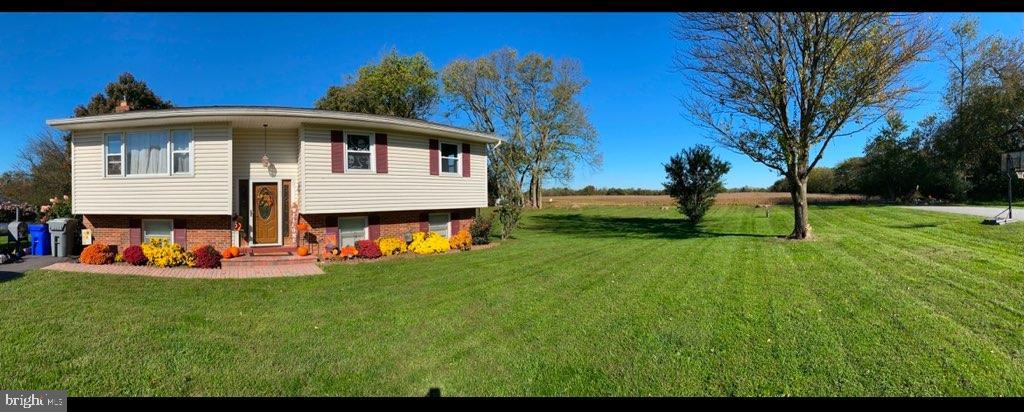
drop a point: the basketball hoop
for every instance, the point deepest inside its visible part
(1013, 165)
(1013, 162)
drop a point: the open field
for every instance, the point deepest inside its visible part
(602, 300)
(736, 198)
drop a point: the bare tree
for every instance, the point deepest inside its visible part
(43, 167)
(533, 101)
(779, 87)
(963, 51)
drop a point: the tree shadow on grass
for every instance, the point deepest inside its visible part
(591, 226)
(7, 275)
(913, 225)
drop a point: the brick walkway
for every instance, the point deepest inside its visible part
(303, 269)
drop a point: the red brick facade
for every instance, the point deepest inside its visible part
(215, 230)
(199, 230)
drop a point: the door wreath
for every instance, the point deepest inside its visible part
(264, 202)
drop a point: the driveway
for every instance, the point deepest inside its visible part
(983, 211)
(15, 270)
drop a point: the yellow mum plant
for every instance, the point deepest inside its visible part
(461, 240)
(425, 244)
(164, 254)
(392, 245)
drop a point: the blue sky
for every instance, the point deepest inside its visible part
(50, 63)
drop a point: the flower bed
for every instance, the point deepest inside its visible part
(423, 243)
(156, 252)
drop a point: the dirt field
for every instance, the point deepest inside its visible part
(738, 198)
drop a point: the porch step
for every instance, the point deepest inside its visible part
(269, 251)
(261, 260)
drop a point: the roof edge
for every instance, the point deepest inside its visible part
(311, 115)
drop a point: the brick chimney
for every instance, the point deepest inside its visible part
(122, 107)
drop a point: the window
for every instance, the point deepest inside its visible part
(114, 154)
(449, 158)
(352, 229)
(158, 229)
(358, 152)
(439, 222)
(181, 151)
(147, 153)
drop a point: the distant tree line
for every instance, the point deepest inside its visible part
(590, 190)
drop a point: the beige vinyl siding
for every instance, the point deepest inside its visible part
(206, 192)
(408, 184)
(282, 146)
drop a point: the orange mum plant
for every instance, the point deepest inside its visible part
(97, 254)
(461, 240)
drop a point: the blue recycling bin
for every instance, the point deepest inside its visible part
(39, 234)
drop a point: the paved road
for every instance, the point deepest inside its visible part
(983, 211)
(10, 271)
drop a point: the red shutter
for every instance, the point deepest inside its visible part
(455, 222)
(374, 222)
(337, 151)
(382, 152)
(134, 232)
(424, 225)
(180, 236)
(465, 160)
(435, 158)
(330, 229)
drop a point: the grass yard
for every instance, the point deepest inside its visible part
(601, 300)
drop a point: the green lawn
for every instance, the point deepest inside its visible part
(622, 301)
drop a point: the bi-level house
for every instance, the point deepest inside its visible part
(251, 175)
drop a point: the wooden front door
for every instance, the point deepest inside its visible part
(265, 219)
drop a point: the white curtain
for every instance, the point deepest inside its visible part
(147, 153)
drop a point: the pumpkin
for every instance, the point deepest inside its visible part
(226, 254)
(234, 251)
(302, 251)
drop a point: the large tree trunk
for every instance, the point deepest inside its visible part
(798, 191)
(535, 191)
(539, 194)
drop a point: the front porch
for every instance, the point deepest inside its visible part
(266, 256)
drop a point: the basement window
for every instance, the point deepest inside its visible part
(441, 223)
(351, 230)
(158, 229)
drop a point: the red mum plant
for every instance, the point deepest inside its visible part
(207, 257)
(134, 256)
(368, 249)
